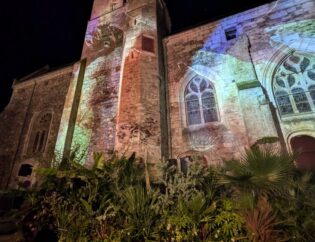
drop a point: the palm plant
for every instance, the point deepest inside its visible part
(260, 177)
(259, 172)
(142, 214)
(111, 201)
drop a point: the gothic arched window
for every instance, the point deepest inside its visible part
(294, 85)
(39, 134)
(200, 102)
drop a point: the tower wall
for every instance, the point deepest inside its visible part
(138, 121)
(119, 104)
(102, 7)
(94, 129)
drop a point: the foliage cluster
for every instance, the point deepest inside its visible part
(261, 197)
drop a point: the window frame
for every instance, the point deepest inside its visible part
(25, 170)
(201, 99)
(150, 50)
(34, 130)
(289, 89)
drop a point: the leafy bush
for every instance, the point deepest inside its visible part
(261, 197)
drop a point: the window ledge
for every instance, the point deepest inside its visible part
(197, 127)
(298, 117)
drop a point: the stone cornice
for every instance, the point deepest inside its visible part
(43, 77)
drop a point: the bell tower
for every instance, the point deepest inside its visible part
(116, 96)
(141, 119)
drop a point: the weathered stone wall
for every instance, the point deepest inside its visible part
(97, 106)
(138, 122)
(119, 106)
(11, 123)
(241, 70)
(102, 7)
(31, 98)
(116, 97)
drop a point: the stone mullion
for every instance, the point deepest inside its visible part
(201, 108)
(307, 92)
(288, 88)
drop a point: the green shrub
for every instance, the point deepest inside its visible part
(261, 197)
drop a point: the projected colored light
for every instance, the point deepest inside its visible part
(241, 70)
(242, 73)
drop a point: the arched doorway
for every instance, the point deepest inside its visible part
(304, 146)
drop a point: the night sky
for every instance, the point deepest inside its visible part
(35, 33)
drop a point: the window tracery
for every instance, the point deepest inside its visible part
(200, 102)
(294, 85)
(39, 134)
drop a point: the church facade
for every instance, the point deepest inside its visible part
(212, 90)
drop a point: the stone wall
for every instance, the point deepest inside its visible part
(138, 122)
(30, 99)
(12, 121)
(241, 71)
(95, 124)
(116, 97)
(102, 7)
(119, 106)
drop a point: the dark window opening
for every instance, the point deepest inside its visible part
(41, 142)
(25, 170)
(172, 162)
(35, 145)
(230, 33)
(172, 167)
(184, 164)
(148, 44)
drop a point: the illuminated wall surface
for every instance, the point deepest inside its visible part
(30, 124)
(224, 85)
(259, 68)
(115, 112)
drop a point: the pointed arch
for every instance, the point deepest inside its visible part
(293, 84)
(200, 101)
(39, 133)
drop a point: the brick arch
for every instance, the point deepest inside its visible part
(302, 132)
(304, 147)
(187, 157)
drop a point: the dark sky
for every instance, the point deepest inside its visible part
(35, 33)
